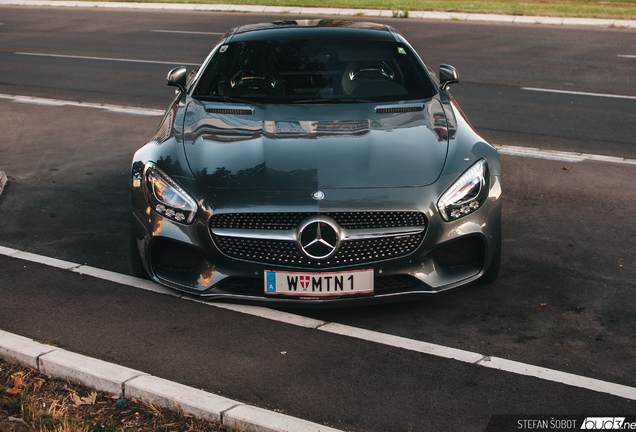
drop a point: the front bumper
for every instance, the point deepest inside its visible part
(449, 255)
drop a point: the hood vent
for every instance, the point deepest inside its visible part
(240, 111)
(397, 110)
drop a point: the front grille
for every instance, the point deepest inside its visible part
(286, 253)
(276, 251)
(288, 221)
(461, 253)
(377, 249)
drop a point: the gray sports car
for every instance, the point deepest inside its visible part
(315, 162)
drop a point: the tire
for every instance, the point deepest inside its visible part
(137, 267)
(492, 273)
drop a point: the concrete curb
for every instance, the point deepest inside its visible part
(447, 16)
(130, 383)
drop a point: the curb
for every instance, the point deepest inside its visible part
(446, 16)
(125, 382)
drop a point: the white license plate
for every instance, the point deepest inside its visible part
(321, 284)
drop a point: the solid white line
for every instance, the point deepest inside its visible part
(403, 343)
(559, 377)
(3, 181)
(627, 55)
(579, 93)
(560, 155)
(187, 32)
(107, 59)
(354, 332)
(104, 107)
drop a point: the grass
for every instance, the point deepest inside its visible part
(31, 402)
(609, 9)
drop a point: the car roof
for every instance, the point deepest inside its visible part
(316, 28)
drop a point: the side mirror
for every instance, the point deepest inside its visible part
(177, 78)
(447, 75)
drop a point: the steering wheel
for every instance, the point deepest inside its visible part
(264, 81)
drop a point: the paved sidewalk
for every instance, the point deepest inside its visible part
(447, 16)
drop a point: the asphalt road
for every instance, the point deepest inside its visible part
(565, 298)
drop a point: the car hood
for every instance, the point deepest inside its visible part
(315, 146)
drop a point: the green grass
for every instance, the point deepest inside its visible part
(609, 9)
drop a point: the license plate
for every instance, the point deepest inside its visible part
(320, 284)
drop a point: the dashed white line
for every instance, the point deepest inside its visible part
(627, 56)
(187, 32)
(103, 107)
(106, 59)
(579, 93)
(353, 332)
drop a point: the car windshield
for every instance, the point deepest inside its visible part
(314, 71)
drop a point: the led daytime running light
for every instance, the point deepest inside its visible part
(466, 194)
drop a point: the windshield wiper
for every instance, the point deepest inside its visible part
(223, 99)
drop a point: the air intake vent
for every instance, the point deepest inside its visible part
(397, 110)
(460, 253)
(243, 111)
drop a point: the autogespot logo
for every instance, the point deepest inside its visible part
(607, 423)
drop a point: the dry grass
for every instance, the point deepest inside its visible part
(30, 401)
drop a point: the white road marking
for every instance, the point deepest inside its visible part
(627, 55)
(107, 59)
(502, 149)
(349, 331)
(103, 107)
(187, 32)
(579, 93)
(560, 155)
(3, 181)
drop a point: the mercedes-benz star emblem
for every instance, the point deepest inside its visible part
(318, 237)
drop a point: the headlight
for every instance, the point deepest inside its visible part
(167, 197)
(467, 194)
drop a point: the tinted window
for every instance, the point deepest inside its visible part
(314, 71)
